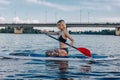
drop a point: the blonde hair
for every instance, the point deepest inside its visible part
(63, 24)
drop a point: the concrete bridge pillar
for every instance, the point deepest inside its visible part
(117, 32)
(18, 30)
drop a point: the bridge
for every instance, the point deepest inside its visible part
(18, 27)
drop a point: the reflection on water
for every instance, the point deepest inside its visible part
(59, 67)
(102, 47)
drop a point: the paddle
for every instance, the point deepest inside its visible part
(83, 50)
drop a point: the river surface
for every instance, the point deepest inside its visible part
(101, 47)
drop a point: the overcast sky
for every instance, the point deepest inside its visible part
(45, 11)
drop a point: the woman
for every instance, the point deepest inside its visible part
(63, 35)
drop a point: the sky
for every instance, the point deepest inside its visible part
(50, 11)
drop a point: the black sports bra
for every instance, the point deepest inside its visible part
(61, 39)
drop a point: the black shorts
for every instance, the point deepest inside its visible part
(66, 49)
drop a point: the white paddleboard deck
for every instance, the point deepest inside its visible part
(53, 58)
(38, 58)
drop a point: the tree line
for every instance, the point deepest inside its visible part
(25, 30)
(102, 32)
(31, 30)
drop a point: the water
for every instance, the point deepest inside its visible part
(101, 46)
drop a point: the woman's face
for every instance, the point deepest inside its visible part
(60, 26)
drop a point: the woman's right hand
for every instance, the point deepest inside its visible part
(44, 31)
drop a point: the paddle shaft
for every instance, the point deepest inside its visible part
(60, 41)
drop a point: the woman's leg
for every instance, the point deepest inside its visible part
(56, 52)
(52, 53)
(62, 52)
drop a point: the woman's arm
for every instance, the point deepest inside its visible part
(69, 37)
(48, 32)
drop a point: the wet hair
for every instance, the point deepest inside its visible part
(63, 23)
(60, 21)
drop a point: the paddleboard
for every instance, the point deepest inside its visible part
(38, 58)
(55, 58)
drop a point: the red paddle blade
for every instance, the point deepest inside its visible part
(85, 51)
